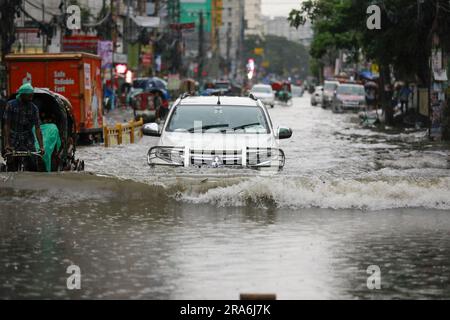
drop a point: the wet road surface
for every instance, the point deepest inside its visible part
(348, 198)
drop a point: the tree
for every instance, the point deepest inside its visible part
(9, 10)
(403, 42)
(284, 56)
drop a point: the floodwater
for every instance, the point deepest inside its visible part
(349, 198)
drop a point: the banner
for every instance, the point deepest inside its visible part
(105, 51)
(80, 43)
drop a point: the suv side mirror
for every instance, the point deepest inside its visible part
(151, 129)
(284, 133)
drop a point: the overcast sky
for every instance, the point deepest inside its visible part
(279, 7)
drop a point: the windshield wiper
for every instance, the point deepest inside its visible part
(209, 127)
(247, 125)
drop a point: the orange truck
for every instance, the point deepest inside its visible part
(76, 76)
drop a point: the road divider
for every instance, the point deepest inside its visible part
(123, 133)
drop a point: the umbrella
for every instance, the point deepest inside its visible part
(277, 86)
(399, 84)
(371, 84)
(368, 75)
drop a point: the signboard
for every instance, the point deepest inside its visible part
(133, 56)
(375, 69)
(28, 40)
(438, 91)
(120, 58)
(191, 9)
(436, 60)
(105, 51)
(439, 73)
(437, 108)
(87, 76)
(259, 51)
(218, 9)
(147, 56)
(423, 101)
(80, 43)
(182, 26)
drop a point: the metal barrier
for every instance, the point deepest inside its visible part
(128, 133)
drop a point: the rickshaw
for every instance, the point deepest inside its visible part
(59, 115)
(283, 92)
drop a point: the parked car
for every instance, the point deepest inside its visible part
(216, 132)
(317, 96)
(349, 97)
(329, 91)
(264, 93)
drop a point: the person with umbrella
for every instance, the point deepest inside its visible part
(371, 93)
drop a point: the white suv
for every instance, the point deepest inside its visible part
(218, 132)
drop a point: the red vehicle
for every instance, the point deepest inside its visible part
(283, 91)
(144, 107)
(76, 76)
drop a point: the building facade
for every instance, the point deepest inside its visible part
(231, 34)
(253, 18)
(279, 26)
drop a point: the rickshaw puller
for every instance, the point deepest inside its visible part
(20, 116)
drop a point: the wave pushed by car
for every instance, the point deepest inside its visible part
(218, 132)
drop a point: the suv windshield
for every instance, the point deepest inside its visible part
(351, 90)
(218, 119)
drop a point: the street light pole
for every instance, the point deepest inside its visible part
(113, 40)
(200, 47)
(127, 33)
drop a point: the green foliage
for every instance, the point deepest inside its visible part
(285, 57)
(104, 29)
(404, 40)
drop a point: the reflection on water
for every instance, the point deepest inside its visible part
(348, 199)
(135, 242)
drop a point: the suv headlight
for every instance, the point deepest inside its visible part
(170, 155)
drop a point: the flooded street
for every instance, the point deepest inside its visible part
(349, 198)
